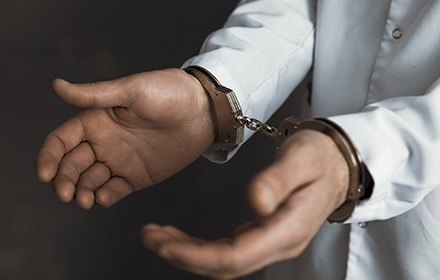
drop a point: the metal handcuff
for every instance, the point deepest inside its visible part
(230, 133)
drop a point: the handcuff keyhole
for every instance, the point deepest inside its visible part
(286, 132)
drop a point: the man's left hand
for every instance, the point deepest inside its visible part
(293, 197)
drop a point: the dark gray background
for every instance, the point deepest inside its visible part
(83, 41)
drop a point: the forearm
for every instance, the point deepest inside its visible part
(262, 53)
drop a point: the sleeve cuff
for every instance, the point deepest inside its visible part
(219, 71)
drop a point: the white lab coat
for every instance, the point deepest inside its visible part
(376, 70)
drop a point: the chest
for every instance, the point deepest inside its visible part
(367, 51)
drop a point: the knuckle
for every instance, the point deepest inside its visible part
(88, 181)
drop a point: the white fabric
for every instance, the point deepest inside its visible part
(384, 92)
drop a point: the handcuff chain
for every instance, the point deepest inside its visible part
(256, 125)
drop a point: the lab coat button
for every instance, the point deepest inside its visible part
(397, 33)
(362, 224)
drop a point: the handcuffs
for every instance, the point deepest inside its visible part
(230, 131)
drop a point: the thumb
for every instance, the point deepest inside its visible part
(97, 95)
(265, 191)
(290, 172)
(271, 187)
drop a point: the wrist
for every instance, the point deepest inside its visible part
(360, 181)
(226, 108)
(204, 108)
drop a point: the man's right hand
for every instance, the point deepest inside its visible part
(136, 132)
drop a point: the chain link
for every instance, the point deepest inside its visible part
(256, 125)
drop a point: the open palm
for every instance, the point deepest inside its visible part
(137, 131)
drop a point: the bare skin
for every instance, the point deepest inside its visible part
(293, 198)
(130, 137)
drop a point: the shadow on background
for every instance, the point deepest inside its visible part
(82, 41)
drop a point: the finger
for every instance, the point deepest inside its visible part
(159, 239)
(90, 181)
(97, 95)
(113, 191)
(71, 167)
(282, 235)
(296, 166)
(253, 247)
(59, 142)
(306, 210)
(168, 230)
(153, 235)
(293, 224)
(244, 227)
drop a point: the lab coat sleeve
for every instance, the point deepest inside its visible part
(263, 52)
(399, 140)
